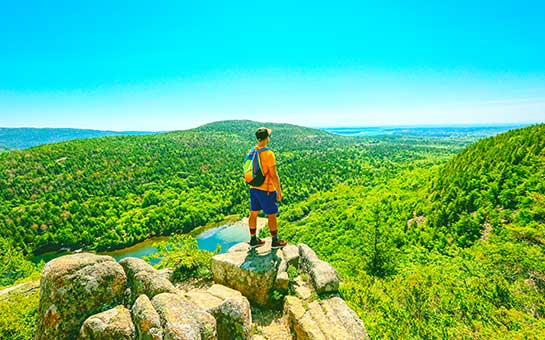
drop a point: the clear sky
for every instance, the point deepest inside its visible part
(166, 65)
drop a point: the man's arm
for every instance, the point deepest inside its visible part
(276, 181)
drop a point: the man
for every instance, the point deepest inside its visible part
(265, 196)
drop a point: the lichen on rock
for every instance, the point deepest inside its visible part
(83, 295)
(146, 319)
(230, 309)
(325, 278)
(142, 278)
(113, 324)
(182, 319)
(74, 287)
(252, 272)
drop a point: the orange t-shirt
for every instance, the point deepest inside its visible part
(267, 161)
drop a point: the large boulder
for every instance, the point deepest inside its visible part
(291, 254)
(146, 319)
(324, 277)
(307, 257)
(231, 310)
(337, 310)
(299, 321)
(113, 324)
(234, 318)
(250, 271)
(74, 287)
(182, 319)
(142, 278)
(323, 319)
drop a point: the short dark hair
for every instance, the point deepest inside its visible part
(262, 133)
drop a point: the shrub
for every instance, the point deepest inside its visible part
(182, 254)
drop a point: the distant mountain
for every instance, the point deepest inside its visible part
(248, 127)
(23, 138)
(470, 131)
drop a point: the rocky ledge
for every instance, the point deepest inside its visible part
(315, 311)
(86, 296)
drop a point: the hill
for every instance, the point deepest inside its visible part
(114, 191)
(496, 182)
(479, 273)
(23, 138)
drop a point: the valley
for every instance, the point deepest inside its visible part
(402, 218)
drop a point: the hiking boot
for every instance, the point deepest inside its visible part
(278, 244)
(256, 242)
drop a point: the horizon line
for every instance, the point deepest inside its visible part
(439, 125)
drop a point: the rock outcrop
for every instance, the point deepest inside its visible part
(113, 324)
(323, 319)
(324, 277)
(250, 271)
(73, 288)
(142, 278)
(87, 296)
(231, 310)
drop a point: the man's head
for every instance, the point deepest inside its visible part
(262, 134)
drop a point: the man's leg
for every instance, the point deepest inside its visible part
(252, 222)
(273, 226)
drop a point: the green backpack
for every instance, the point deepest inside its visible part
(253, 173)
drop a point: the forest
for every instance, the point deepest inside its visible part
(432, 236)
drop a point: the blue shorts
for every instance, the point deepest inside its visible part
(263, 200)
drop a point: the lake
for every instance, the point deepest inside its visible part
(226, 235)
(465, 131)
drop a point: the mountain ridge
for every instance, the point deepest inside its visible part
(25, 137)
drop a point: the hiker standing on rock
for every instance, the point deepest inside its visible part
(260, 173)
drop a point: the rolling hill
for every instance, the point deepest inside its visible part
(114, 191)
(23, 138)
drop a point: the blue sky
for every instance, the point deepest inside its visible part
(165, 65)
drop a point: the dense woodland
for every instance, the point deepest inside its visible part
(431, 238)
(111, 192)
(453, 251)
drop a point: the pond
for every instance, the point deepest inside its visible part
(226, 235)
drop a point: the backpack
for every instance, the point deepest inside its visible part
(253, 174)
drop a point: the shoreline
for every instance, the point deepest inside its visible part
(229, 220)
